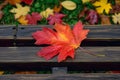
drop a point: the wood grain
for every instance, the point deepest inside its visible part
(96, 32)
(28, 54)
(7, 31)
(87, 76)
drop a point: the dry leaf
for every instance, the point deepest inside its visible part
(14, 2)
(92, 17)
(23, 20)
(115, 9)
(84, 1)
(20, 10)
(56, 18)
(33, 18)
(63, 41)
(46, 13)
(26, 72)
(105, 19)
(117, 1)
(102, 6)
(1, 15)
(116, 18)
(1, 72)
(70, 5)
(57, 9)
(82, 14)
(29, 2)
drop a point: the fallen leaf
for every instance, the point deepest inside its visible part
(92, 17)
(115, 9)
(82, 13)
(85, 1)
(70, 5)
(23, 20)
(1, 14)
(102, 6)
(56, 18)
(105, 19)
(57, 9)
(63, 41)
(32, 19)
(46, 13)
(116, 18)
(26, 72)
(14, 2)
(29, 2)
(117, 1)
(20, 10)
(1, 72)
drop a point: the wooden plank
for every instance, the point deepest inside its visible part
(7, 31)
(26, 58)
(28, 54)
(7, 35)
(96, 32)
(82, 76)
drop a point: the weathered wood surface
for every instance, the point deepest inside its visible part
(7, 31)
(96, 32)
(7, 35)
(28, 54)
(87, 76)
(19, 58)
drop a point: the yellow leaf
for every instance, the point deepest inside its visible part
(116, 18)
(68, 5)
(22, 20)
(102, 5)
(1, 72)
(84, 1)
(20, 10)
(46, 13)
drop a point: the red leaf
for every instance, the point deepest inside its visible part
(56, 18)
(63, 41)
(92, 17)
(49, 52)
(46, 36)
(29, 2)
(32, 19)
(79, 33)
(65, 52)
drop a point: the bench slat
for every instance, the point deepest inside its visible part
(28, 54)
(7, 31)
(96, 32)
(100, 76)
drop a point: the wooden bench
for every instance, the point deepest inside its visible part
(18, 53)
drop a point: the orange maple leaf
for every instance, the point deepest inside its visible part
(14, 2)
(63, 40)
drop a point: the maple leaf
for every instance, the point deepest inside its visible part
(63, 40)
(92, 17)
(14, 2)
(46, 13)
(102, 6)
(56, 18)
(23, 20)
(32, 19)
(105, 19)
(29, 2)
(57, 9)
(116, 18)
(20, 11)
